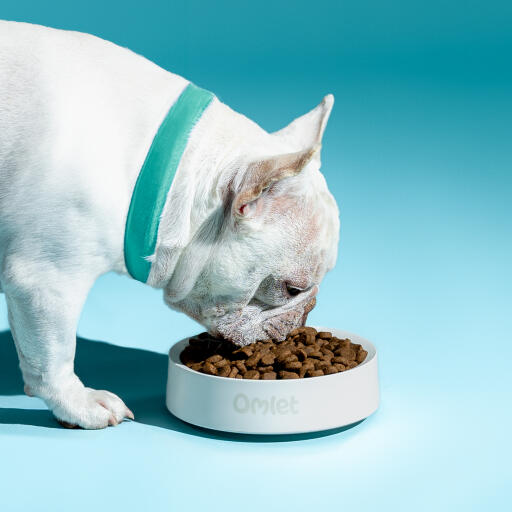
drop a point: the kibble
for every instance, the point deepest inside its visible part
(304, 353)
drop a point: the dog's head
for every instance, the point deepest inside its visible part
(253, 268)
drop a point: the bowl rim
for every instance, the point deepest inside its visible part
(372, 354)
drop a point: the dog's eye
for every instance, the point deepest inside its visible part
(292, 290)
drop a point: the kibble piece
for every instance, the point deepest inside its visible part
(293, 365)
(326, 351)
(301, 337)
(340, 367)
(301, 354)
(268, 358)
(233, 372)
(222, 362)
(241, 366)
(361, 355)
(327, 358)
(316, 354)
(283, 354)
(214, 358)
(309, 364)
(245, 351)
(320, 365)
(349, 353)
(209, 368)
(310, 339)
(238, 376)
(324, 335)
(224, 371)
(288, 375)
(340, 359)
(315, 373)
(269, 376)
(344, 354)
(253, 360)
(332, 346)
(328, 370)
(252, 374)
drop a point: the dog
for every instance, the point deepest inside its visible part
(247, 231)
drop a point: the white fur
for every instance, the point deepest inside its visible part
(77, 116)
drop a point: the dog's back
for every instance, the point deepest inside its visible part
(77, 114)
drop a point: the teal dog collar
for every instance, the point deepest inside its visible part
(155, 179)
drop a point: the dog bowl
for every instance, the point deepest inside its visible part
(285, 406)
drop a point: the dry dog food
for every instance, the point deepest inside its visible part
(304, 353)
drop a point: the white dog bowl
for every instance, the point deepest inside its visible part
(285, 406)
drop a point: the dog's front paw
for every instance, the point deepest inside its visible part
(88, 408)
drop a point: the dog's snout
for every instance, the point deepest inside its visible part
(307, 309)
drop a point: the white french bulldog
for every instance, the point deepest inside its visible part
(247, 233)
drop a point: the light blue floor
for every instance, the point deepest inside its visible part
(418, 155)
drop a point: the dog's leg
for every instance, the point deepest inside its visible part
(43, 314)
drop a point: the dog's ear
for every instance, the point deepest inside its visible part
(308, 130)
(262, 173)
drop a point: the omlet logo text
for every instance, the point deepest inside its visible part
(243, 404)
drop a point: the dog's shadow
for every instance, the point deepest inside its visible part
(137, 376)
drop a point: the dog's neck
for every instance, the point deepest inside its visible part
(199, 189)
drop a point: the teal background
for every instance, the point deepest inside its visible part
(418, 155)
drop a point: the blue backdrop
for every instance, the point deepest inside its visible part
(418, 155)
